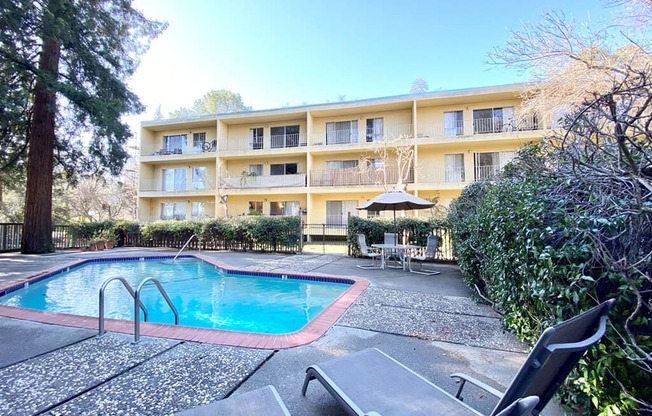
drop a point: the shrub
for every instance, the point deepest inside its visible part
(544, 249)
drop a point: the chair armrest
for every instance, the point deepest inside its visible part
(372, 413)
(484, 386)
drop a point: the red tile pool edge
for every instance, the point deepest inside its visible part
(309, 333)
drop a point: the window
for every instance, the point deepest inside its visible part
(199, 178)
(198, 210)
(453, 123)
(174, 144)
(341, 164)
(173, 180)
(255, 207)
(285, 136)
(198, 142)
(493, 120)
(454, 167)
(256, 138)
(173, 211)
(376, 163)
(374, 214)
(284, 169)
(256, 169)
(338, 212)
(342, 132)
(487, 165)
(284, 208)
(375, 129)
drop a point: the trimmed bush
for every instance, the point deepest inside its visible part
(541, 257)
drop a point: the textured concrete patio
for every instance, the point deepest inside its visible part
(429, 323)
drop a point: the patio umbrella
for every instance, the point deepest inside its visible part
(395, 200)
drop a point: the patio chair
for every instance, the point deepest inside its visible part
(370, 380)
(428, 254)
(392, 238)
(368, 252)
(263, 401)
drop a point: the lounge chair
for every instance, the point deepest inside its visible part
(263, 401)
(428, 254)
(367, 252)
(369, 380)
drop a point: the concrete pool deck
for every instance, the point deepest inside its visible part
(427, 322)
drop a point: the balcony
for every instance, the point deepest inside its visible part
(480, 126)
(458, 176)
(148, 187)
(264, 181)
(501, 125)
(354, 137)
(356, 176)
(200, 148)
(245, 144)
(486, 172)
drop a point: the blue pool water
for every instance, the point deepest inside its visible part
(204, 295)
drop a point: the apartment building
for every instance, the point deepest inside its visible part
(322, 161)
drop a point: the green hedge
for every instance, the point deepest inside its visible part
(526, 244)
(237, 233)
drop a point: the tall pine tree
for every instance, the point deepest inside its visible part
(65, 65)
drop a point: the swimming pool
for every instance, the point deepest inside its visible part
(206, 294)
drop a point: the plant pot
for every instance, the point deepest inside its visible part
(101, 245)
(108, 245)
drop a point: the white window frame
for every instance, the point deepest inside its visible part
(454, 167)
(198, 210)
(375, 129)
(173, 180)
(256, 138)
(453, 123)
(173, 210)
(342, 132)
(175, 143)
(199, 178)
(198, 142)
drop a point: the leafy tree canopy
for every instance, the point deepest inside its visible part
(100, 42)
(419, 85)
(213, 102)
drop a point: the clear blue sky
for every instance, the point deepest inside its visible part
(277, 53)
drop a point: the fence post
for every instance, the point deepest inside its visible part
(300, 233)
(323, 238)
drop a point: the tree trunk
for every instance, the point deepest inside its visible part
(37, 230)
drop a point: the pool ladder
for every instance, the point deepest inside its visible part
(138, 305)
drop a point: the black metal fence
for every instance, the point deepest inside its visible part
(324, 238)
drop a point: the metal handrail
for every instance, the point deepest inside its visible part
(137, 300)
(184, 246)
(131, 292)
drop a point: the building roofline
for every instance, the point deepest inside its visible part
(367, 101)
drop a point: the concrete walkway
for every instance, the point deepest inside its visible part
(427, 322)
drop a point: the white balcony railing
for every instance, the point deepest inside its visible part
(362, 135)
(157, 186)
(356, 176)
(457, 175)
(499, 124)
(264, 181)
